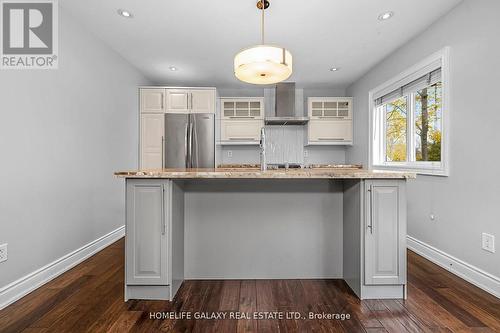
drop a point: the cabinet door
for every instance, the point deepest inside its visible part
(146, 242)
(178, 101)
(202, 101)
(152, 135)
(242, 108)
(325, 130)
(385, 233)
(241, 130)
(152, 100)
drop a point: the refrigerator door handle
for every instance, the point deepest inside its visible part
(191, 144)
(186, 147)
(162, 151)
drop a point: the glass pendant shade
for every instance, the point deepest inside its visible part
(263, 64)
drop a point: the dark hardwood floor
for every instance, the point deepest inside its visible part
(89, 298)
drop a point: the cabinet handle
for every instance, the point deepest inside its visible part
(332, 139)
(370, 210)
(243, 139)
(241, 117)
(163, 226)
(191, 101)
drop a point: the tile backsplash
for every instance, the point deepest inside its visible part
(285, 144)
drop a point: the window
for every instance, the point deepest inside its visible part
(408, 120)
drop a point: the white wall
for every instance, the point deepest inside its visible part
(466, 202)
(62, 135)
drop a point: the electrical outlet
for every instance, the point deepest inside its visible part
(488, 242)
(306, 153)
(3, 252)
(229, 153)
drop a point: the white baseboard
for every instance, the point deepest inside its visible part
(23, 286)
(468, 272)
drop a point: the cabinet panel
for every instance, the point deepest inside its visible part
(202, 101)
(384, 264)
(152, 100)
(247, 130)
(330, 130)
(152, 134)
(146, 242)
(178, 101)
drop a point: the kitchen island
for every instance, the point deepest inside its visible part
(243, 223)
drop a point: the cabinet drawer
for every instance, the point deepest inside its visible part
(247, 130)
(330, 130)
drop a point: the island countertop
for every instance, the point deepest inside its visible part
(254, 173)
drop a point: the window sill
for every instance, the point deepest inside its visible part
(427, 171)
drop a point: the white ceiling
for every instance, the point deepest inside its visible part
(201, 37)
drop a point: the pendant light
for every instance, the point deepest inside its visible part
(263, 64)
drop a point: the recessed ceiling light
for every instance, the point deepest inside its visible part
(173, 68)
(334, 69)
(385, 16)
(125, 13)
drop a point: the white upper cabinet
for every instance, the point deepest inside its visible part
(178, 101)
(330, 107)
(241, 120)
(330, 131)
(330, 120)
(241, 108)
(202, 101)
(152, 100)
(241, 131)
(190, 101)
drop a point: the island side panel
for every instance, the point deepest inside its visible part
(177, 236)
(352, 234)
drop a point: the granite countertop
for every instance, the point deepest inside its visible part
(255, 173)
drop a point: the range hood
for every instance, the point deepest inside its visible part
(284, 111)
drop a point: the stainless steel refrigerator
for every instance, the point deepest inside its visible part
(189, 140)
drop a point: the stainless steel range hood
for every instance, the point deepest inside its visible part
(284, 112)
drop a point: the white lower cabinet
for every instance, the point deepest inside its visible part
(147, 233)
(243, 131)
(385, 233)
(374, 229)
(154, 239)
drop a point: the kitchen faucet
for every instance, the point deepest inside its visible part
(263, 164)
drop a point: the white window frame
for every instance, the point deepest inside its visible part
(377, 148)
